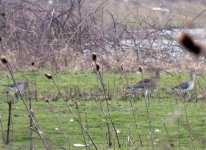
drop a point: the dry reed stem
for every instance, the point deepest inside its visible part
(73, 114)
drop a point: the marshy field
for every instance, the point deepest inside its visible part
(165, 121)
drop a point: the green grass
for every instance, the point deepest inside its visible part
(167, 117)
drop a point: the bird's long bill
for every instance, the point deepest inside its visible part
(200, 75)
(168, 72)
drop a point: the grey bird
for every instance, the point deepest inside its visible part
(186, 85)
(147, 84)
(22, 86)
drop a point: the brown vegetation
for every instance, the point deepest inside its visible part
(63, 36)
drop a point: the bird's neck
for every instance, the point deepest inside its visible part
(192, 77)
(156, 78)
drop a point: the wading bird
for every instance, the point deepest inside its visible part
(186, 85)
(147, 84)
(22, 86)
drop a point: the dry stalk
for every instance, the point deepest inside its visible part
(170, 140)
(57, 120)
(2, 130)
(9, 122)
(80, 119)
(135, 120)
(133, 112)
(5, 61)
(98, 73)
(71, 111)
(31, 125)
(149, 121)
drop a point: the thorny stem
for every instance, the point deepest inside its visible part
(62, 131)
(85, 112)
(178, 122)
(28, 111)
(31, 125)
(9, 122)
(188, 125)
(203, 143)
(136, 123)
(2, 129)
(73, 114)
(108, 127)
(140, 140)
(193, 132)
(84, 139)
(50, 141)
(105, 97)
(170, 140)
(150, 127)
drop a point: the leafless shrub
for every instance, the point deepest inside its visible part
(63, 37)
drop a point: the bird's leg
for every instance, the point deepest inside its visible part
(16, 94)
(185, 96)
(149, 94)
(194, 95)
(145, 94)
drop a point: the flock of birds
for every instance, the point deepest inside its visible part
(147, 85)
(189, 44)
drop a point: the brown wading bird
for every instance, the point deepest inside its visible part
(147, 84)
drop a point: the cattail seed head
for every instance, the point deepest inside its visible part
(122, 68)
(187, 41)
(48, 76)
(3, 59)
(172, 145)
(97, 67)
(140, 69)
(94, 57)
(3, 14)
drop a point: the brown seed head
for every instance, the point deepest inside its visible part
(94, 57)
(122, 68)
(48, 76)
(97, 67)
(187, 41)
(3, 14)
(172, 145)
(32, 63)
(0, 39)
(3, 59)
(140, 69)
